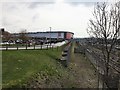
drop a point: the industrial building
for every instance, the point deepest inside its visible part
(48, 36)
(52, 35)
(36, 37)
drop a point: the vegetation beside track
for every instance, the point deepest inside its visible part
(41, 69)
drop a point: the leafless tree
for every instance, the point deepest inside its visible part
(106, 26)
(23, 35)
(5, 35)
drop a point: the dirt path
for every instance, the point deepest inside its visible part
(82, 70)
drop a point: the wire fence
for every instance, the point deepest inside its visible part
(97, 59)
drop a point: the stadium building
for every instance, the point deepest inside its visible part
(48, 36)
(52, 35)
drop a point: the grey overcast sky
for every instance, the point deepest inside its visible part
(39, 15)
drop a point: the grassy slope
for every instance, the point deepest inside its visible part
(20, 65)
(38, 68)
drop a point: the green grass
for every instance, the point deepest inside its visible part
(19, 66)
(40, 69)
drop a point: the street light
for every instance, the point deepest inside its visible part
(50, 36)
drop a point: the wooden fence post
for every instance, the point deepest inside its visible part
(17, 46)
(34, 46)
(6, 47)
(26, 46)
(41, 46)
(47, 47)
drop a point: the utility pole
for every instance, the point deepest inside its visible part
(50, 36)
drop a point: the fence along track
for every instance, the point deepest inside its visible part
(113, 80)
(112, 64)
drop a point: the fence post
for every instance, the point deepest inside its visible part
(41, 46)
(50, 46)
(68, 55)
(34, 46)
(17, 46)
(6, 47)
(26, 46)
(47, 47)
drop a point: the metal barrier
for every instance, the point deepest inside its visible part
(66, 55)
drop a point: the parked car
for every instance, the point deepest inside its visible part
(7, 42)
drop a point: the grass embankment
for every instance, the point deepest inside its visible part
(40, 69)
(18, 66)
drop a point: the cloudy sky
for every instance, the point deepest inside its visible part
(39, 15)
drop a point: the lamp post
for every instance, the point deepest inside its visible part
(50, 36)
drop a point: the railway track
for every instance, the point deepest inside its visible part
(113, 64)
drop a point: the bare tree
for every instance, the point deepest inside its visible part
(5, 35)
(23, 35)
(106, 26)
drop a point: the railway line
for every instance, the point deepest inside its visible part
(98, 56)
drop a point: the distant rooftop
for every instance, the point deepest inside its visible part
(50, 32)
